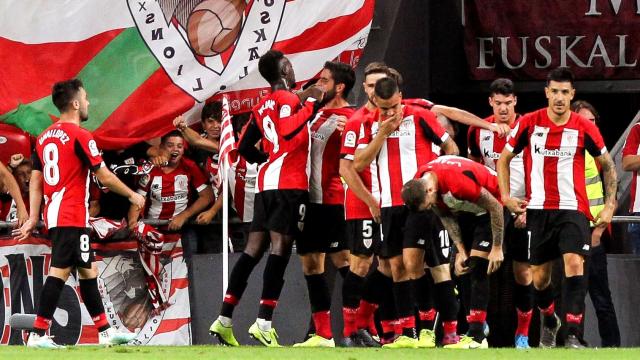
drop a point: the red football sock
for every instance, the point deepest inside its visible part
(524, 320)
(450, 327)
(349, 315)
(397, 327)
(549, 311)
(372, 327)
(322, 321)
(477, 316)
(365, 314)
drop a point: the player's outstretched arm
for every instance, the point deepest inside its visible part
(610, 189)
(353, 180)
(108, 179)
(467, 118)
(11, 185)
(496, 212)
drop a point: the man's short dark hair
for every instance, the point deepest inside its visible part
(212, 110)
(560, 74)
(413, 194)
(269, 65)
(172, 133)
(376, 67)
(395, 74)
(581, 104)
(342, 74)
(386, 88)
(64, 92)
(501, 86)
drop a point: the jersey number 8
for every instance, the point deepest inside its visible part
(50, 170)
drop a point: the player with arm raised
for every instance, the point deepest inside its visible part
(280, 122)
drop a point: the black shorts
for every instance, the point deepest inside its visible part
(393, 221)
(516, 240)
(325, 230)
(281, 211)
(423, 230)
(363, 236)
(556, 232)
(70, 247)
(439, 253)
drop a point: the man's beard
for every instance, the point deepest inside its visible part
(328, 96)
(84, 117)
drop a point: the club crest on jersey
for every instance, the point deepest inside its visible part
(207, 45)
(367, 243)
(285, 111)
(350, 139)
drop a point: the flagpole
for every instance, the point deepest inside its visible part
(225, 230)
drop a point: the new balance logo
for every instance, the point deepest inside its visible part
(586, 247)
(420, 241)
(484, 244)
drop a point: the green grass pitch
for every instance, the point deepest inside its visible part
(249, 352)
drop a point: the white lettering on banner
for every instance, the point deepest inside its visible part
(170, 45)
(615, 4)
(600, 49)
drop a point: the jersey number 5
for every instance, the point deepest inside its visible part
(50, 170)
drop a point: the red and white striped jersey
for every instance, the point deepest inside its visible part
(168, 193)
(484, 144)
(358, 126)
(403, 150)
(242, 183)
(460, 181)
(632, 147)
(66, 154)
(325, 186)
(282, 120)
(554, 159)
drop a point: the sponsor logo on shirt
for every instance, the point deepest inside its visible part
(559, 153)
(491, 154)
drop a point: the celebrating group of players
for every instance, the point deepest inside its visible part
(407, 193)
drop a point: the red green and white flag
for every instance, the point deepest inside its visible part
(145, 62)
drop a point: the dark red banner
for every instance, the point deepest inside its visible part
(524, 39)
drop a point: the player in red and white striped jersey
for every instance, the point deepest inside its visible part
(362, 293)
(631, 162)
(167, 188)
(486, 148)
(65, 155)
(279, 123)
(400, 140)
(554, 141)
(326, 199)
(463, 195)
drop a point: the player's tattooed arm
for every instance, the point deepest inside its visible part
(610, 189)
(495, 210)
